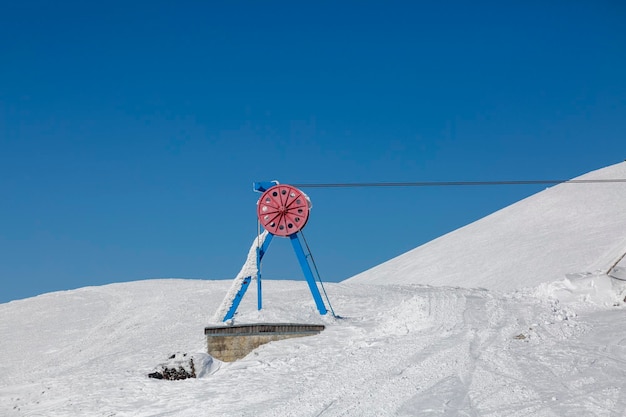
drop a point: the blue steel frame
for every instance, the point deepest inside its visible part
(304, 265)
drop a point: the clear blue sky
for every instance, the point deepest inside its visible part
(131, 132)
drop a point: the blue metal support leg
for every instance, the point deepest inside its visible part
(259, 255)
(306, 269)
(259, 289)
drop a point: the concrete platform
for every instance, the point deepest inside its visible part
(229, 343)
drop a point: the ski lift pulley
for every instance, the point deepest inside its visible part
(283, 210)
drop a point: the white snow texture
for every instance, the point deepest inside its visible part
(513, 315)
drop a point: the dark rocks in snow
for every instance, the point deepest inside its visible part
(177, 367)
(181, 366)
(174, 374)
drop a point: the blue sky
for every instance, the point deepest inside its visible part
(131, 132)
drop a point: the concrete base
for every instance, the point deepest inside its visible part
(229, 343)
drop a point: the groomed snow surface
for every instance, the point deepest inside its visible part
(549, 341)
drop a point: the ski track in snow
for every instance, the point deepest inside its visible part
(401, 350)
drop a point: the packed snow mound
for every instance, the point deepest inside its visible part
(575, 228)
(588, 288)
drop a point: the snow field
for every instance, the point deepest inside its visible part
(398, 350)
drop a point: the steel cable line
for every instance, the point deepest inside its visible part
(453, 183)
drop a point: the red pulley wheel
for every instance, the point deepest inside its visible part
(283, 210)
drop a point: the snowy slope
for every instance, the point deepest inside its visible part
(566, 229)
(554, 348)
(398, 351)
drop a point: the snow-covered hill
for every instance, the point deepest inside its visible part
(554, 348)
(399, 350)
(566, 229)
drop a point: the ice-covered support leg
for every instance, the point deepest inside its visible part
(228, 308)
(306, 269)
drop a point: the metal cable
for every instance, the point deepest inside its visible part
(452, 183)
